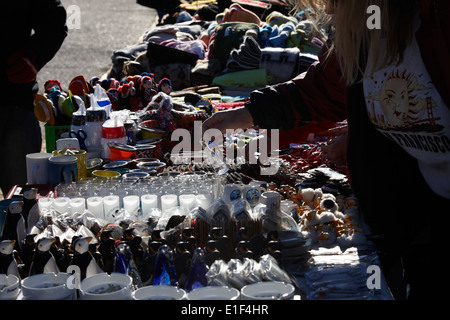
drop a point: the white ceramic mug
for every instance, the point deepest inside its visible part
(252, 193)
(232, 192)
(37, 167)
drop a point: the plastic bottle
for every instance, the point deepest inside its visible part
(113, 130)
(79, 117)
(96, 115)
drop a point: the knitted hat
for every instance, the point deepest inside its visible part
(124, 89)
(79, 86)
(143, 79)
(50, 84)
(163, 81)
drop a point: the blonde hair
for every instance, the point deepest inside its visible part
(353, 40)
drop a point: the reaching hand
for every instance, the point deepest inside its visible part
(336, 150)
(239, 118)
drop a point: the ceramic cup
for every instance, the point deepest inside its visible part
(37, 167)
(102, 286)
(62, 169)
(232, 192)
(47, 286)
(159, 293)
(9, 287)
(81, 157)
(271, 290)
(252, 193)
(214, 293)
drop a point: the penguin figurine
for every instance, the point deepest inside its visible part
(66, 258)
(134, 242)
(211, 253)
(14, 228)
(148, 267)
(83, 258)
(182, 260)
(8, 263)
(30, 208)
(27, 254)
(43, 260)
(106, 249)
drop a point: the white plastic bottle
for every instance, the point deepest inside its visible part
(96, 115)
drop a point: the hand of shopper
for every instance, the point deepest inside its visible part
(336, 150)
(239, 118)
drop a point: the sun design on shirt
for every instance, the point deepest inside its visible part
(404, 103)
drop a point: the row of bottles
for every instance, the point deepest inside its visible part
(98, 125)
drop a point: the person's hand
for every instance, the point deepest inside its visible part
(21, 67)
(336, 150)
(239, 118)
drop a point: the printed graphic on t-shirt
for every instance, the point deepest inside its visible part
(405, 104)
(404, 108)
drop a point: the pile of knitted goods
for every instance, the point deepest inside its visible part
(239, 50)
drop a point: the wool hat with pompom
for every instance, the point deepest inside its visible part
(164, 81)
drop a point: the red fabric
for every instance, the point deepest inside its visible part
(300, 134)
(21, 67)
(229, 105)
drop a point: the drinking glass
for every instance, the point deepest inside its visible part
(131, 204)
(95, 206)
(45, 203)
(148, 202)
(111, 206)
(61, 204)
(77, 205)
(187, 201)
(168, 201)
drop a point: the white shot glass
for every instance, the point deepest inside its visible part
(77, 205)
(95, 206)
(168, 201)
(61, 204)
(148, 202)
(187, 201)
(45, 203)
(131, 205)
(111, 206)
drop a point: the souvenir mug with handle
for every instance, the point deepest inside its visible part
(232, 192)
(62, 169)
(37, 167)
(252, 193)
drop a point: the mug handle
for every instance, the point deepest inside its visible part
(34, 173)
